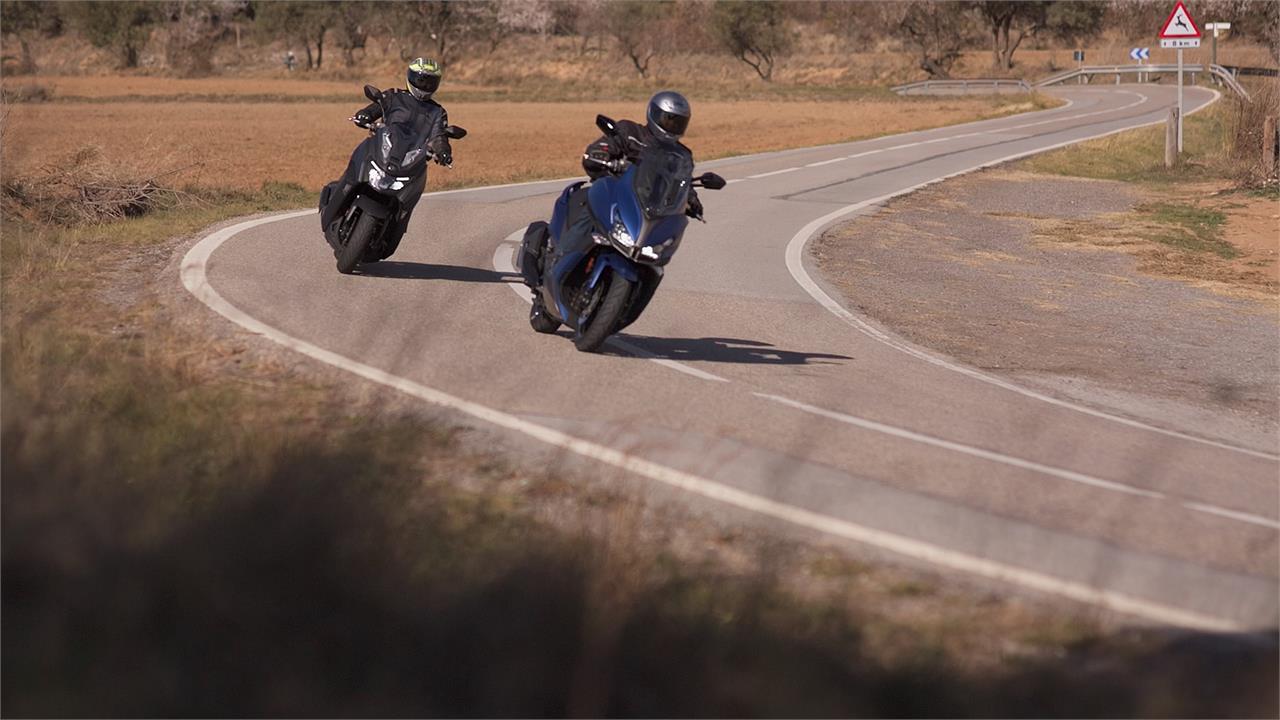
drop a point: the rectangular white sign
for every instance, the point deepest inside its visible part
(1179, 42)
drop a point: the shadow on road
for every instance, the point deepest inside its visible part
(728, 350)
(427, 271)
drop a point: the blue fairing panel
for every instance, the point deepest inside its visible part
(558, 215)
(616, 263)
(608, 194)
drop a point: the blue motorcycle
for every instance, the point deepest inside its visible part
(596, 265)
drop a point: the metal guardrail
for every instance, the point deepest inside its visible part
(1226, 76)
(1089, 71)
(1263, 72)
(963, 85)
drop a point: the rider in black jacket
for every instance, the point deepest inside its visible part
(666, 120)
(411, 106)
(421, 82)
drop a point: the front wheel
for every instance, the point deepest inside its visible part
(353, 252)
(606, 317)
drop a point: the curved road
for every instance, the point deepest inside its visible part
(747, 384)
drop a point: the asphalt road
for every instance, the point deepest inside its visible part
(746, 384)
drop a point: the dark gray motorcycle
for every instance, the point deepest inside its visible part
(365, 213)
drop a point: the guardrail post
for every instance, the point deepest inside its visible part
(1171, 138)
(1270, 145)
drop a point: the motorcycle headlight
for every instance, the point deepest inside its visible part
(377, 178)
(619, 233)
(383, 181)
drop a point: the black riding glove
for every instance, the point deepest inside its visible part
(694, 210)
(362, 119)
(442, 150)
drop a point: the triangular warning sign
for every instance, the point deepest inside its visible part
(1179, 24)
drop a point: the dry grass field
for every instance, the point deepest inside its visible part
(243, 144)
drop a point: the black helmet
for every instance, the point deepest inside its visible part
(423, 78)
(668, 115)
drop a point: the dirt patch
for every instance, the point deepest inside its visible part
(243, 144)
(1058, 280)
(1254, 228)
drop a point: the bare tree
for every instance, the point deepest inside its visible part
(1010, 22)
(441, 27)
(307, 23)
(938, 32)
(351, 29)
(754, 32)
(639, 27)
(122, 26)
(195, 28)
(28, 20)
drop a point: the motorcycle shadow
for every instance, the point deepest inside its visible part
(426, 271)
(726, 350)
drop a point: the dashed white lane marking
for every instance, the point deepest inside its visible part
(1233, 514)
(1141, 99)
(503, 263)
(995, 457)
(770, 174)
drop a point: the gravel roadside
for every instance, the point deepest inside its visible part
(1036, 278)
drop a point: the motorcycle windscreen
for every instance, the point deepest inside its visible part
(401, 146)
(663, 177)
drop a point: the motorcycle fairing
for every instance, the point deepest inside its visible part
(560, 215)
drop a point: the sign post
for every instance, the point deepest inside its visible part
(1140, 54)
(1179, 32)
(1216, 27)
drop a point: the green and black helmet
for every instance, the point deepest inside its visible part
(423, 78)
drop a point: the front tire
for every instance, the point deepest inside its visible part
(608, 314)
(353, 252)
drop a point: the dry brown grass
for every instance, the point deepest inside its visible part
(80, 188)
(243, 144)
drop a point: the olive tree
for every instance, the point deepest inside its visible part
(639, 27)
(123, 27)
(754, 32)
(938, 31)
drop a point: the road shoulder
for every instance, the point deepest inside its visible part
(1076, 286)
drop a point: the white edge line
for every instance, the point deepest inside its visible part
(970, 450)
(195, 280)
(795, 265)
(502, 262)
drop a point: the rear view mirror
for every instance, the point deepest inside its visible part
(372, 93)
(711, 181)
(606, 125)
(455, 132)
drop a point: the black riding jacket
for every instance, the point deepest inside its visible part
(632, 138)
(402, 106)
